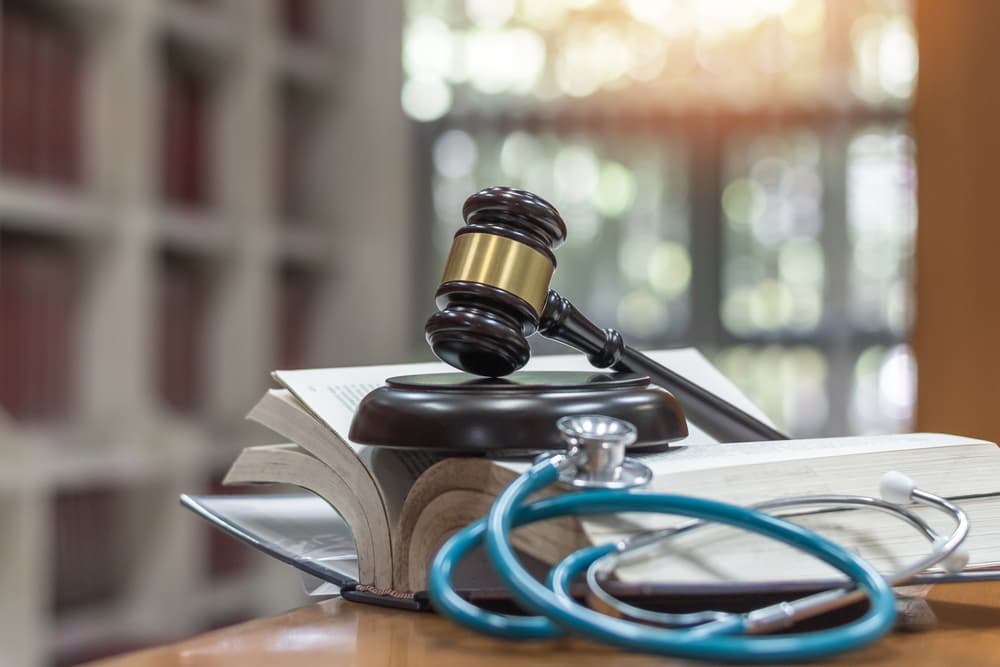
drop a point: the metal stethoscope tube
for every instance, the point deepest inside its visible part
(945, 551)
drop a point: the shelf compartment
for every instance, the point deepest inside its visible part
(39, 295)
(297, 294)
(183, 313)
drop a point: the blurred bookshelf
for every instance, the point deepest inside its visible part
(737, 176)
(181, 183)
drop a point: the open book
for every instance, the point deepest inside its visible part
(400, 505)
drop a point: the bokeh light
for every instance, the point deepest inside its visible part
(883, 393)
(774, 271)
(881, 226)
(589, 102)
(787, 382)
(426, 99)
(664, 53)
(454, 154)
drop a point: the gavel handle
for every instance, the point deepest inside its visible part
(716, 416)
(561, 321)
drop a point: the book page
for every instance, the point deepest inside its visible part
(718, 554)
(684, 458)
(333, 394)
(284, 414)
(965, 470)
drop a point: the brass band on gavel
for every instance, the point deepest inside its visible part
(500, 262)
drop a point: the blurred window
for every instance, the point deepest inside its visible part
(735, 175)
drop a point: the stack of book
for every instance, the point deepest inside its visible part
(387, 511)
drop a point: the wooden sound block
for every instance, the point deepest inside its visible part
(467, 414)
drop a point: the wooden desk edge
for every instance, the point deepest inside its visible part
(336, 632)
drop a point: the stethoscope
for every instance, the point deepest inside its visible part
(595, 461)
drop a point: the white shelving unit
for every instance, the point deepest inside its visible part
(120, 432)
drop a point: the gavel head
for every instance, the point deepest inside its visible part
(495, 281)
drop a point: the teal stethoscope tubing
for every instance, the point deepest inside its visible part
(717, 640)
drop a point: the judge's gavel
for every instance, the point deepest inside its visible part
(495, 293)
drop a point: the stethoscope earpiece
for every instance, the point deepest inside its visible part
(897, 488)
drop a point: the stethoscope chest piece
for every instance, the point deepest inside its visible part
(595, 451)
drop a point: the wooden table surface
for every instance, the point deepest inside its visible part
(336, 633)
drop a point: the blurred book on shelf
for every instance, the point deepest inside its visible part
(183, 312)
(292, 148)
(185, 137)
(127, 282)
(295, 316)
(89, 567)
(38, 309)
(41, 105)
(298, 18)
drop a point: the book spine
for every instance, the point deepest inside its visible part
(43, 115)
(32, 271)
(185, 139)
(295, 318)
(6, 317)
(16, 110)
(285, 176)
(182, 316)
(61, 326)
(8, 77)
(194, 336)
(12, 330)
(38, 337)
(169, 328)
(196, 142)
(65, 112)
(171, 160)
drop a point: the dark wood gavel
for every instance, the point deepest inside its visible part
(495, 293)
